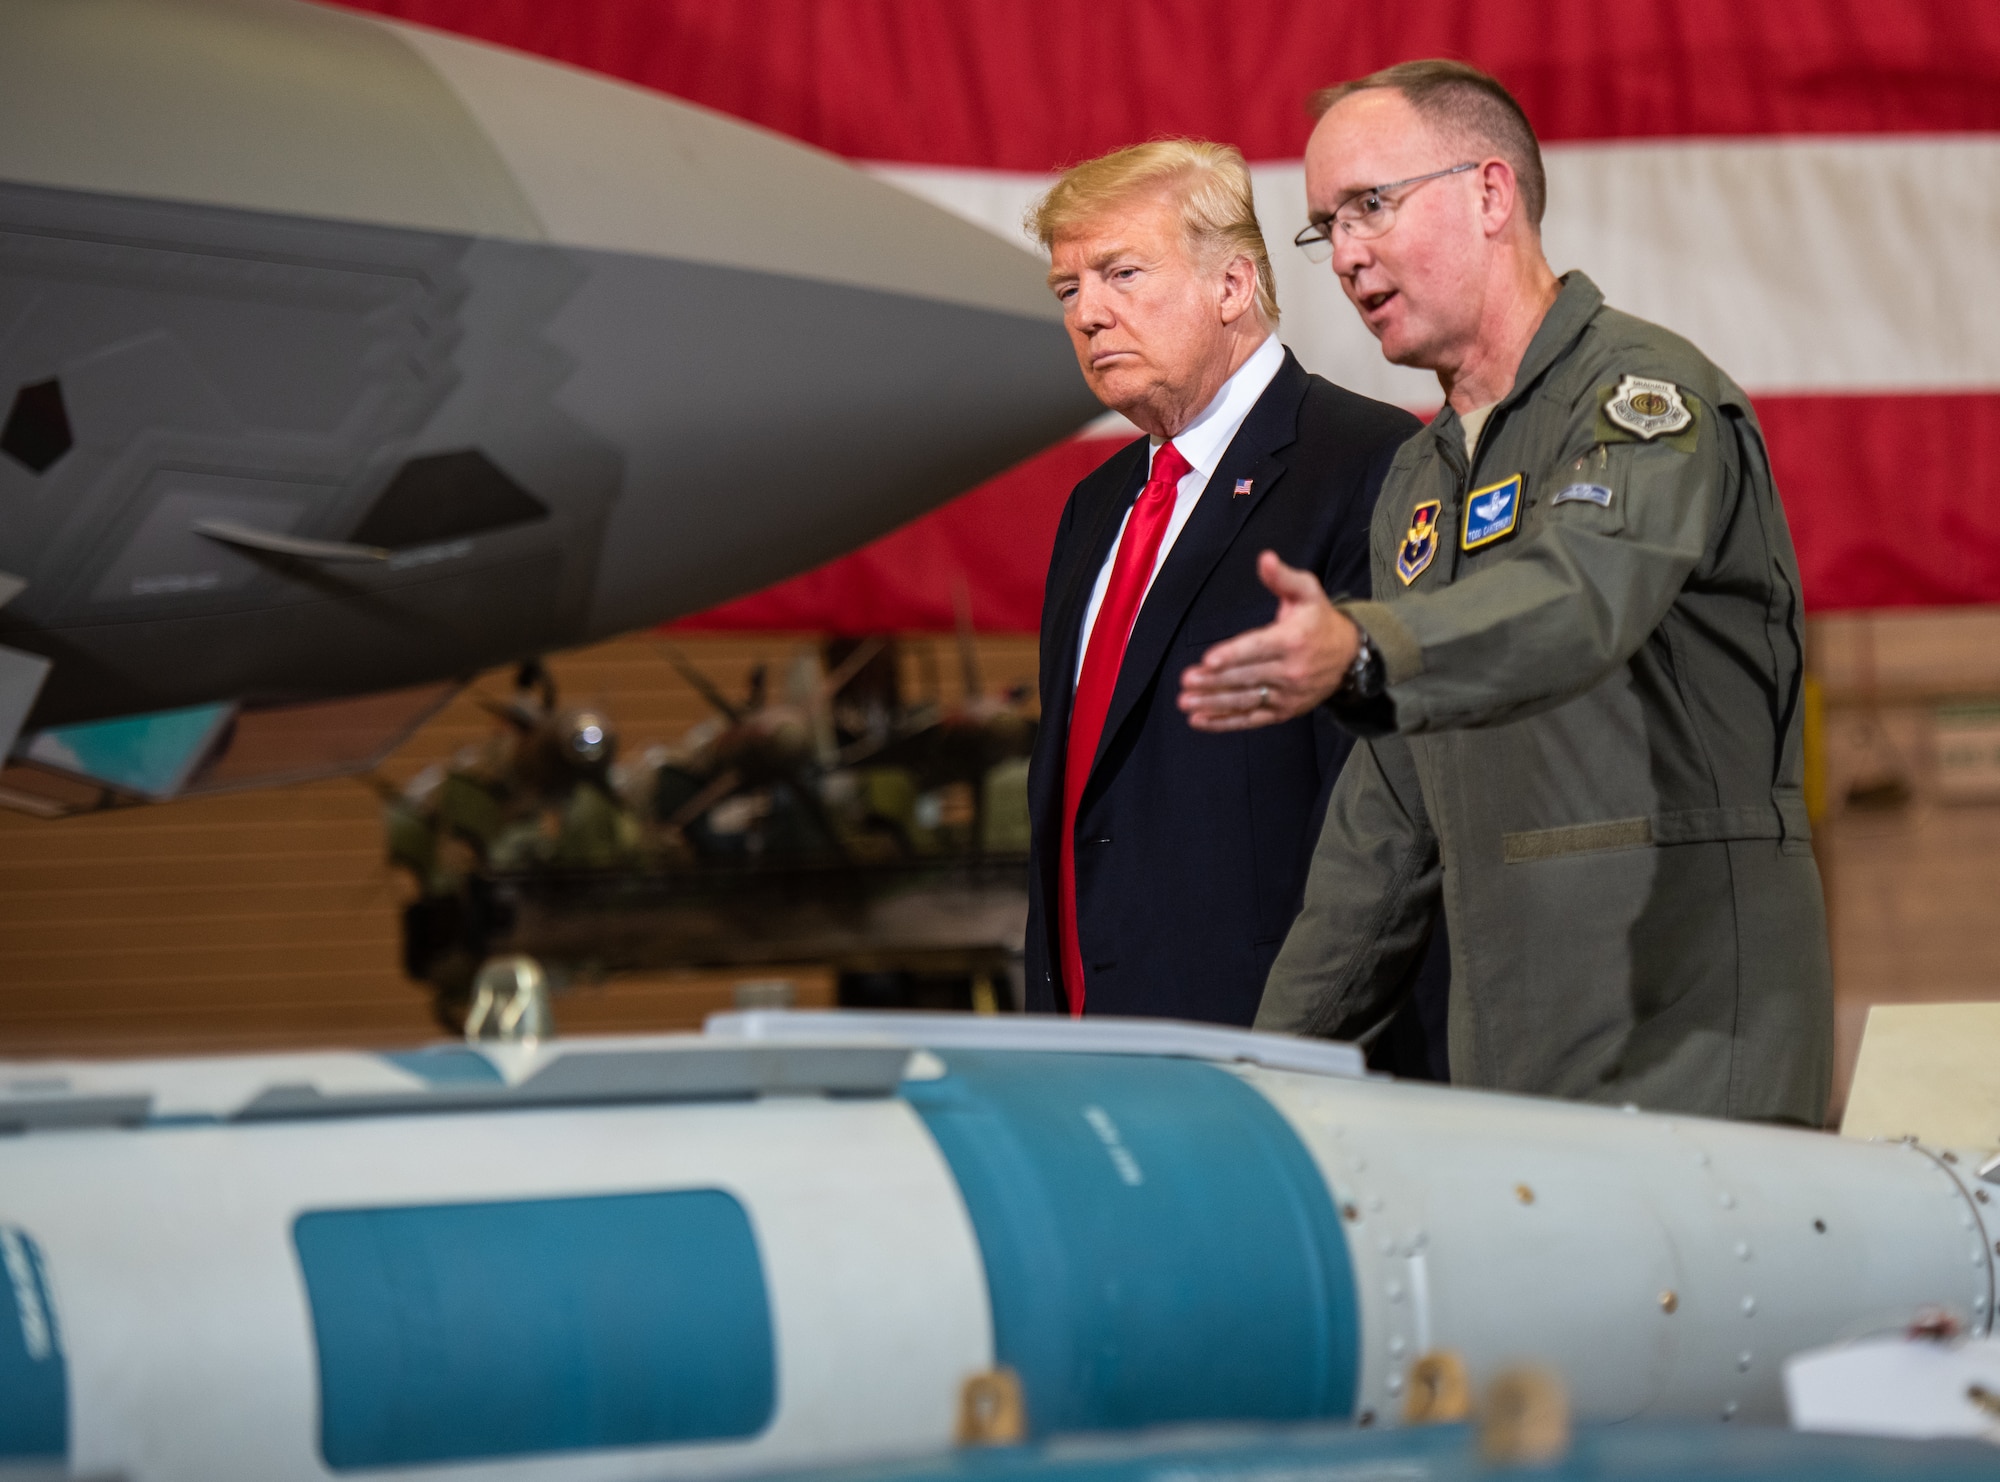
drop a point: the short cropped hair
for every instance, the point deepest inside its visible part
(1209, 182)
(1465, 105)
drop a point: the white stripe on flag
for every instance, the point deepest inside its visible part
(1848, 265)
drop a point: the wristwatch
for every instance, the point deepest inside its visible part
(1365, 678)
(1362, 704)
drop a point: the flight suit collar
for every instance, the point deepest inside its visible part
(1575, 306)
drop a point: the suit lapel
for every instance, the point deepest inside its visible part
(1218, 518)
(1067, 629)
(1099, 527)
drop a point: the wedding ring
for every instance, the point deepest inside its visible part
(1263, 695)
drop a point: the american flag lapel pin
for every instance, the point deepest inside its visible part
(1242, 488)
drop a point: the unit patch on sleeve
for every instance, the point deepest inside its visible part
(1583, 494)
(1648, 409)
(1421, 543)
(1490, 513)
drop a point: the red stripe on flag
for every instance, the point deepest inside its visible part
(1891, 501)
(1037, 84)
(996, 540)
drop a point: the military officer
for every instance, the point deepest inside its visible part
(1580, 681)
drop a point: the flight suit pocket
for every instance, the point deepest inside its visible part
(1784, 819)
(1584, 838)
(1588, 491)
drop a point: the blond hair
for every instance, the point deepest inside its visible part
(1209, 182)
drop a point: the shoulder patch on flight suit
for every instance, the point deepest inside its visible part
(1647, 409)
(1420, 544)
(1490, 513)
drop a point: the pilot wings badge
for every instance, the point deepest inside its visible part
(1648, 409)
(1421, 543)
(1491, 513)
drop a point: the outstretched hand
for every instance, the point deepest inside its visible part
(1276, 672)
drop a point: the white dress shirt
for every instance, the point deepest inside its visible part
(1202, 442)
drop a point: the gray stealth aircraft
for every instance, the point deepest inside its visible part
(340, 356)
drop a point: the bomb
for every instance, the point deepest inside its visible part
(795, 1241)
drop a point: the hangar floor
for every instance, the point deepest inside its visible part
(269, 919)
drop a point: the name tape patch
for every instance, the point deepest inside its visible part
(1491, 513)
(1583, 494)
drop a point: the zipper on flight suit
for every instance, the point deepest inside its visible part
(1471, 457)
(1479, 445)
(1470, 460)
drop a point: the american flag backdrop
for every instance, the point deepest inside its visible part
(1810, 192)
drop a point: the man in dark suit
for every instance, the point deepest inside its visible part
(1167, 863)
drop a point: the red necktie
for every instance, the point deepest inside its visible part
(1132, 569)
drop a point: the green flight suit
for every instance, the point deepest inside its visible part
(1590, 748)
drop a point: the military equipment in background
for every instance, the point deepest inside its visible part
(342, 358)
(820, 820)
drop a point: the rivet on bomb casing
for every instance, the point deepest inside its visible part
(1749, 1306)
(1820, 1225)
(1525, 1194)
(1669, 1302)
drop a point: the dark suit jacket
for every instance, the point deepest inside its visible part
(1192, 849)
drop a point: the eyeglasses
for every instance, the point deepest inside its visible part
(1364, 215)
